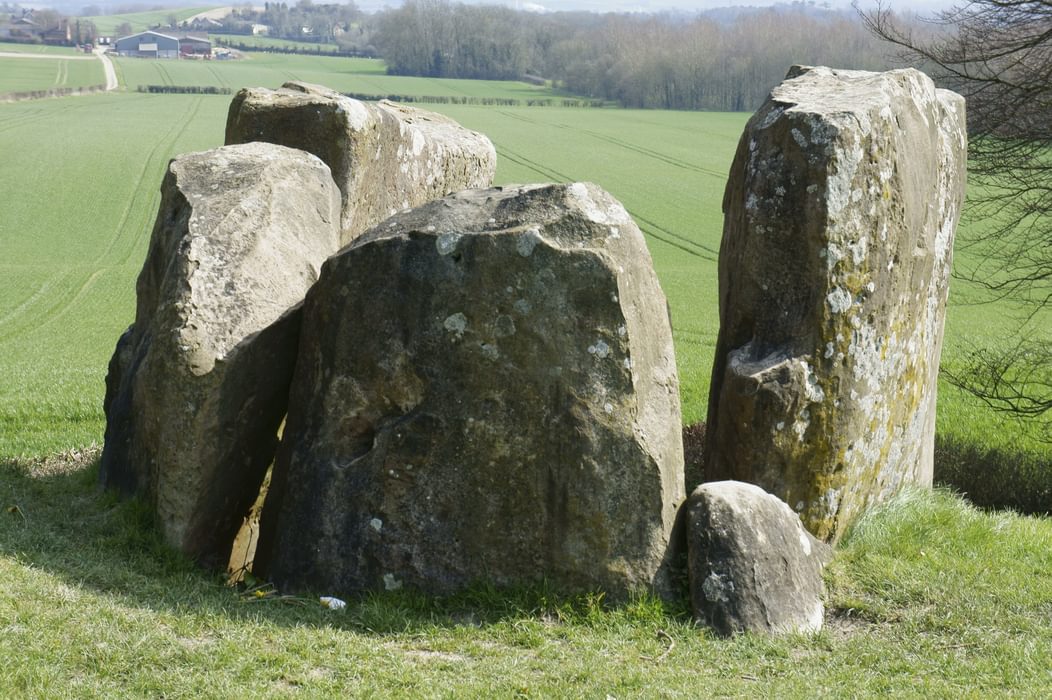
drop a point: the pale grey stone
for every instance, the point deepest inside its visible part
(384, 156)
(752, 565)
(199, 384)
(840, 214)
(477, 401)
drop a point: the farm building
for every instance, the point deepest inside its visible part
(151, 44)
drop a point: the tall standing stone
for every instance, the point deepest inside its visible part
(840, 215)
(199, 384)
(486, 391)
(385, 157)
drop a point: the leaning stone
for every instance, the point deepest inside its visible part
(486, 391)
(752, 565)
(198, 386)
(840, 214)
(384, 156)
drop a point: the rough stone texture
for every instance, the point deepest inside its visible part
(840, 213)
(385, 157)
(198, 386)
(753, 567)
(486, 390)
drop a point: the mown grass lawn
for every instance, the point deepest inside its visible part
(927, 597)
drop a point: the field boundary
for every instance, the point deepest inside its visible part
(481, 101)
(51, 92)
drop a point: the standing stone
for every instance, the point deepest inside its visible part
(199, 384)
(752, 565)
(840, 215)
(486, 390)
(385, 157)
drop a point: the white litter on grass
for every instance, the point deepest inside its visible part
(332, 603)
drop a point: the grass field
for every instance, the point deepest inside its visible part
(26, 74)
(358, 75)
(274, 42)
(926, 597)
(9, 47)
(140, 21)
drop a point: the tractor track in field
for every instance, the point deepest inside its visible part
(223, 82)
(75, 281)
(650, 153)
(650, 228)
(31, 116)
(163, 144)
(166, 78)
(15, 323)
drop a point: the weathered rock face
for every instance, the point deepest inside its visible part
(198, 386)
(486, 390)
(840, 214)
(753, 567)
(385, 157)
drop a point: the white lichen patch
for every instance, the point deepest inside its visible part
(376, 524)
(456, 324)
(490, 351)
(391, 583)
(799, 137)
(522, 306)
(600, 349)
(446, 243)
(801, 424)
(839, 300)
(839, 192)
(528, 241)
(812, 389)
(716, 588)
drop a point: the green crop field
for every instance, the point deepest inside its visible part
(274, 42)
(357, 75)
(140, 21)
(10, 47)
(26, 74)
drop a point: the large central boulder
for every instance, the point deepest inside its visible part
(385, 157)
(840, 212)
(486, 390)
(198, 386)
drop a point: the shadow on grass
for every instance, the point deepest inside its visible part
(995, 479)
(56, 519)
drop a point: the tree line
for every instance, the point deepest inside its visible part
(726, 63)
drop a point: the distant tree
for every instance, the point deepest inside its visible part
(998, 54)
(124, 29)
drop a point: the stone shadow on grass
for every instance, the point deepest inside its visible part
(55, 518)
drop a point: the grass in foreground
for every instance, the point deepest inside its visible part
(927, 596)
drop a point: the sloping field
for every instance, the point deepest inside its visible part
(357, 75)
(80, 178)
(48, 71)
(140, 21)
